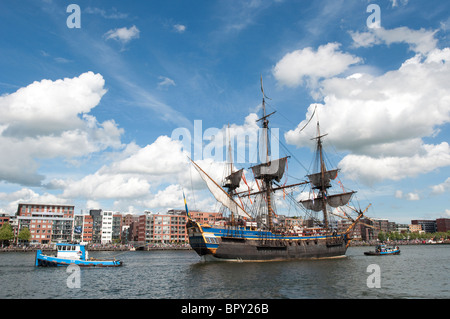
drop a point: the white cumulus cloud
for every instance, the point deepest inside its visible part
(421, 41)
(309, 64)
(50, 119)
(383, 120)
(441, 188)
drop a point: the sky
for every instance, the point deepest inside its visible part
(102, 102)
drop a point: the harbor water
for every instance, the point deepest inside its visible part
(420, 271)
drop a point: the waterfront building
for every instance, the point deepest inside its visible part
(88, 228)
(47, 223)
(142, 229)
(106, 227)
(164, 228)
(129, 219)
(402, 228)
(381, 224)
(344, 224)
(117, 223)
(82, 230)
(443, 225)
(370, 228)
(96, 225)
(4, 218)
(429, 226)
(130, 228)
(204, 217)
(415, 228)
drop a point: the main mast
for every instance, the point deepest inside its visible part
(267, 182)
(264, 172)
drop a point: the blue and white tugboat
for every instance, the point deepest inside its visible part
(76, 254)
(382, 250)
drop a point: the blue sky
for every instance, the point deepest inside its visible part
(87, 115)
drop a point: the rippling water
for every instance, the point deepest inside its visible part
(418, 272)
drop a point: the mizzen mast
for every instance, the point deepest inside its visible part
(323, 186)
(321, 182)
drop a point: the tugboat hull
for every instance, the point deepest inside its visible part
(49, 261)
(373, 253)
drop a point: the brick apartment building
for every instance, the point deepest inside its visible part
(47, 223)
(4, 218)
(205, 217)
(83, 228)
(169, 227)
(130, 228)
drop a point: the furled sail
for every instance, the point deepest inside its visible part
(337, 200)
(272, 170)
(220, 194)
(318, 182)
(233, 180)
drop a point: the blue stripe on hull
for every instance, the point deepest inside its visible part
(253, 234)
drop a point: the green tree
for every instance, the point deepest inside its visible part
(6, 233)
(381, 236)
(413, 236)
(24, 234)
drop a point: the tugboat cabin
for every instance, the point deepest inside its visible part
(71, 251)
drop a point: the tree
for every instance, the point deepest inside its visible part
(6, 233)
(381, 236)
(24, 234)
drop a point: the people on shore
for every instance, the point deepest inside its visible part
(182, 246)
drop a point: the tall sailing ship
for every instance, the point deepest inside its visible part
(253, 232)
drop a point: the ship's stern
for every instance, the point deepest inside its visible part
(201, 242)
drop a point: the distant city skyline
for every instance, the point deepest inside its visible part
(94, 94)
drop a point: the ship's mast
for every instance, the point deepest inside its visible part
(269, 170)
(321, 182)
(230, 187)
(230, 155)
(323, 169)
(267, 181)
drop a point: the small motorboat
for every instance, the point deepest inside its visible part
(72, 254)
(382, 250)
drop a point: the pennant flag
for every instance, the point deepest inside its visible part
(185, 205)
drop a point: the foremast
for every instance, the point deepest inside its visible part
(233, 178)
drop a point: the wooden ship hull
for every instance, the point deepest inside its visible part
(221, 244)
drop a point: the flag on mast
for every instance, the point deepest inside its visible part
(185, 205)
